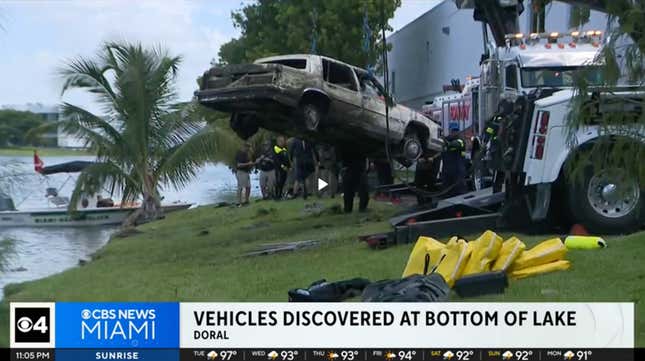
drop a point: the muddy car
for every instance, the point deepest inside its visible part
(320, 99)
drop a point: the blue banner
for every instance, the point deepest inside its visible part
(117, 325)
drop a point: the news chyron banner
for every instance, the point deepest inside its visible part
(322, 331)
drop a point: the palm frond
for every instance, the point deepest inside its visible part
(102, 175)
(86, 74)
(176, 126)
(180, 164)
(92, 138)
(87, 119)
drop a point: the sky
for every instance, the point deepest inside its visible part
(37, 37)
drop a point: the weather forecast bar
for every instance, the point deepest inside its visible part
(407, 354)
(431, 354)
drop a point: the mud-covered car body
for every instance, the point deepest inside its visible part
(318, 98)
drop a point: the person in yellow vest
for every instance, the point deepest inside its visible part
(282, 166)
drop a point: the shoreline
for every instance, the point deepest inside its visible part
(199, 255)
(43, 152)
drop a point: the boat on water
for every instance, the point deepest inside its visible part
(49, 217)
(91, 210)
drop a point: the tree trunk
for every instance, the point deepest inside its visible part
(150, 209)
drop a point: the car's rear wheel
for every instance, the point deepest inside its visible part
(606, 201)
(311, 116)
(412, 149)
(244, 125)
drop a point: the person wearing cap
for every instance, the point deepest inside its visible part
(243, 166)
(453, 175)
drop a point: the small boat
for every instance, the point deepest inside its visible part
(91, 210)
(61, 217)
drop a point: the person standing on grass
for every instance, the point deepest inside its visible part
(356, 166)
(266, 164)
(453, 173)
(243, 166)
(306, 162)
(329, 167)
(282, 165)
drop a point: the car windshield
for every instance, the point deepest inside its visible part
(559, 76)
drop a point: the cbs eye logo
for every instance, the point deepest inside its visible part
(32, 325)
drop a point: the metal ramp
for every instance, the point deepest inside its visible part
(459, 215)
(474, 203)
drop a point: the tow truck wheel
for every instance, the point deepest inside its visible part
(609, 201)
(311, 116)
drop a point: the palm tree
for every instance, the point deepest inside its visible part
(144, 140)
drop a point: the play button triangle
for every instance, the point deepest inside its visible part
(321, 184)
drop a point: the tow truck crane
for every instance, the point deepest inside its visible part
(534, 73)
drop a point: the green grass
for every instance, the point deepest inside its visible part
(45, 152)
(196, 256)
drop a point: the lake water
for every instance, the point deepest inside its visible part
(32, 253)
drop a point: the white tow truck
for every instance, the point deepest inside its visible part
(530, 79)
(536, 72)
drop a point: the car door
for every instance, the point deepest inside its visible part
(341, 86)
(374, 103)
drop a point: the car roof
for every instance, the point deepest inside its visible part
(306, 56)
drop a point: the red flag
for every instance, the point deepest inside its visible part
(38, 163)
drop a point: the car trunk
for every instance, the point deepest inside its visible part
(240, 75)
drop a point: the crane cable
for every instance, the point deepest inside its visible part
(386, 84)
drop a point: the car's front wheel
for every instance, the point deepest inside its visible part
(606, 201)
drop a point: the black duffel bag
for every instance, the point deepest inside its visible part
(415, 288)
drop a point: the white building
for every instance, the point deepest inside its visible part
(49, 113)
(446, 43)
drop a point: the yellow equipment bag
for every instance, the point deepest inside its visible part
(424, 256)
(541, 269)
(454, 257)
(545, 252)
(512, 248)
(483, 252)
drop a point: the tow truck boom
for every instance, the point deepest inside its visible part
(502, 15)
